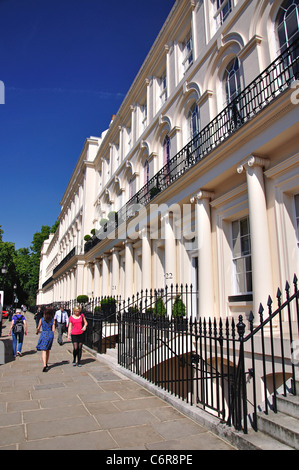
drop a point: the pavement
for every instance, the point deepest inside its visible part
(95, 407)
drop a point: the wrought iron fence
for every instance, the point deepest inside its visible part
(102, 328)
(274, 80)
(231, 368)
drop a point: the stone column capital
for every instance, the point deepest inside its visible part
(202, 195)
(253, 161)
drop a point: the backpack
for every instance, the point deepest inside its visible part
(18, 326)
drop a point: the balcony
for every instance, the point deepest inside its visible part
(270, 84)
(65, 260)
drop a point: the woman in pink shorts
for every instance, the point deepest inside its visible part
(77, 327)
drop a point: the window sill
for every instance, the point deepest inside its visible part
(233, 299)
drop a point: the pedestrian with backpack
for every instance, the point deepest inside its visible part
(17, 330)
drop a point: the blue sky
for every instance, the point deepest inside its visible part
(66, 66)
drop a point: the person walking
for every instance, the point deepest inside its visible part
(62, 321)
(46, 337)
(38, 316)
(1, 313)
(77, 327)
(18, 328)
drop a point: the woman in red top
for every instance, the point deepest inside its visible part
(77, 327)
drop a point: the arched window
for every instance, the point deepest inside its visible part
(232, 80)
(194, 121)
(288, 23)
(132, 186)
(146, 169)
(166, 151)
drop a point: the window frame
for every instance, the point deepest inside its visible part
(281, 22)
(192, 117)
(188, 53)
(163, 89)
(231, 72)
(219, 6)
(246, 256)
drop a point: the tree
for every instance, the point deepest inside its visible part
(23, 266)
(7, 251)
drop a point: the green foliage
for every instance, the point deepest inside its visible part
(103, 222)
(23, 267)
(108, 301)
(55, 227)
(159, 309)
(112, 215)
(178, 308)
(82, 299)
(87, 238)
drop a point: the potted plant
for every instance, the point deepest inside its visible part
(103, 223)
(112, 216)
(82, 299)
(178, 308)
(178, 314)
(159, 309)
(154, 191)
(108, 308)
(87, 238)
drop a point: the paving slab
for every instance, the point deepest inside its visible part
(95, 407)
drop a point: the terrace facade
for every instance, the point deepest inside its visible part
(196, 181)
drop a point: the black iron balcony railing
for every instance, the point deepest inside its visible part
(65, 260)
(273, 81)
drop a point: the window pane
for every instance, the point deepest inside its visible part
(244, 226)
(241, 255)
(245, 245)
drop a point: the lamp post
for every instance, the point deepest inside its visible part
(3, 272)
(4, 269)
(15, 299)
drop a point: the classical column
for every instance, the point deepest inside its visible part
(73, 284)
(146, 260)
(105, 276)
(89, 286)
(170, 250)
(259, 231)
(194, 29)
(97, 275)
(205, 265)
(115, 272)
(80, 278)
(129, 262)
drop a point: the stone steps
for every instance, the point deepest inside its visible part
(276, 431)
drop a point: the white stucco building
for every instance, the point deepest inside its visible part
(207, 134)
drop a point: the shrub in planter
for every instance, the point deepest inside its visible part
(87, 238)
(103, 222)
(112, 216)
(108, 307)
(178, 308)
(82, 299)
(154, 191)
(93, 231)
(150, 311)
(159, 309)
